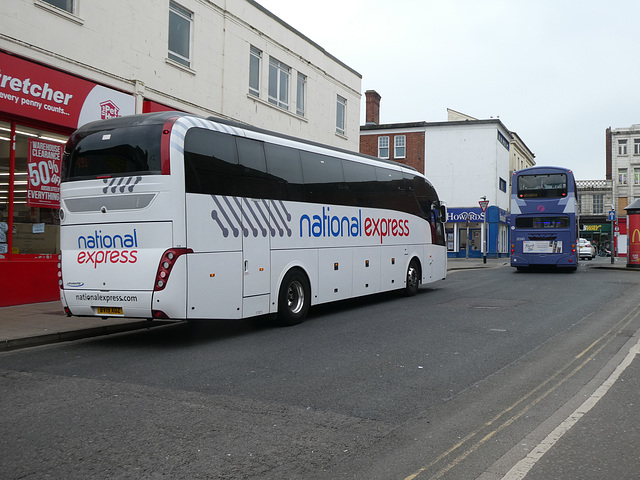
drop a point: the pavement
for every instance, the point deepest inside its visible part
(604, 445)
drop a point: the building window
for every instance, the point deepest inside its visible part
(383, 147)
(622, 147)
(279, 75)
(180, 34)
(636, 176)
(399, 146)
(636, 146)
(255, 60)
(598, 204)
(503, 141)
(503, 184)
(341, 115)
(66, 5)
(580, 202)
(301, 92)
(622, 176)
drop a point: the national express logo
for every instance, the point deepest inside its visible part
(99, 248)
(261, 217)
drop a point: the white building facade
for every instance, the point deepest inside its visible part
(66, 62)
(467, 160)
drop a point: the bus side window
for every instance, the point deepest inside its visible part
(284, 164)
(257, 183)
(391, 192)
(361, 181)
(415, 189)
(211, 163)
(323, 179)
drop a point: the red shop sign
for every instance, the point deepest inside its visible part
(45, 159)
(31, 90)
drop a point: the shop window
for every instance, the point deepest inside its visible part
(34, 230)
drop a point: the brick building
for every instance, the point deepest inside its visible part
(466, 159)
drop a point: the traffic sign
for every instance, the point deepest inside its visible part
(612, 215)
(483, 205)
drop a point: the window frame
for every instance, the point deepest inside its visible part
(623, 176)
(341, 115)
(71, 8)
(382, 140)
(400, 148)
(622, 147)
(636, 146)
(598, 203)
(255, 65)
(301, 94)
(179, 12)
(279, 73)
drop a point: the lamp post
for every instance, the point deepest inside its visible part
(483, 205)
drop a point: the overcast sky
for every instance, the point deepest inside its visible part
(557, 72)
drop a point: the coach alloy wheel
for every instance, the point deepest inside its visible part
(294, 298)
(413, 278)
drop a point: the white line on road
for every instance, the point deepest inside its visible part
(523, 467)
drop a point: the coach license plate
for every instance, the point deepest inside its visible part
(110, 310)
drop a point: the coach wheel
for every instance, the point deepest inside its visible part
(413, 278)
(294, 298)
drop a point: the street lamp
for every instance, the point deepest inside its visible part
(483, 205)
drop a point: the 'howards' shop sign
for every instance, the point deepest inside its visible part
(31, 90)
(457, 215)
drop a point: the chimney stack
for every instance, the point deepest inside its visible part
(372, 114)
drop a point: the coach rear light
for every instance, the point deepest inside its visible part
(60, 271)
(169, 258)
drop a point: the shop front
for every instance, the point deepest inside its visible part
(466, 230)
(599, 234)
(39, 108)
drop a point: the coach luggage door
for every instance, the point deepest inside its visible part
(256, 258)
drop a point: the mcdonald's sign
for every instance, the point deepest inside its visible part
(633, 235)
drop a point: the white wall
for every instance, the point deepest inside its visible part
(465, 162)
(119, 42)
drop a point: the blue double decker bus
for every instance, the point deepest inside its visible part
(544, 218)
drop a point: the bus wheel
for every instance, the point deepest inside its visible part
(413, 278)
(294, 298)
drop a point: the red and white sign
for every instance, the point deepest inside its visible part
(31, 90)
(483, 204)
(45, 159)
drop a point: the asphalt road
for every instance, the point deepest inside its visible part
(440, 385)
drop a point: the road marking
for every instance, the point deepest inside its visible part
(603, 341)
(523, 467)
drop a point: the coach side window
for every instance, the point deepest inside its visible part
(283, 163)
(323, 178)
(361, 182)
(256, 182)
(211, 163)
(391, 191)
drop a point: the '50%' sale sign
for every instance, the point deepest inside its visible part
(45, 159)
